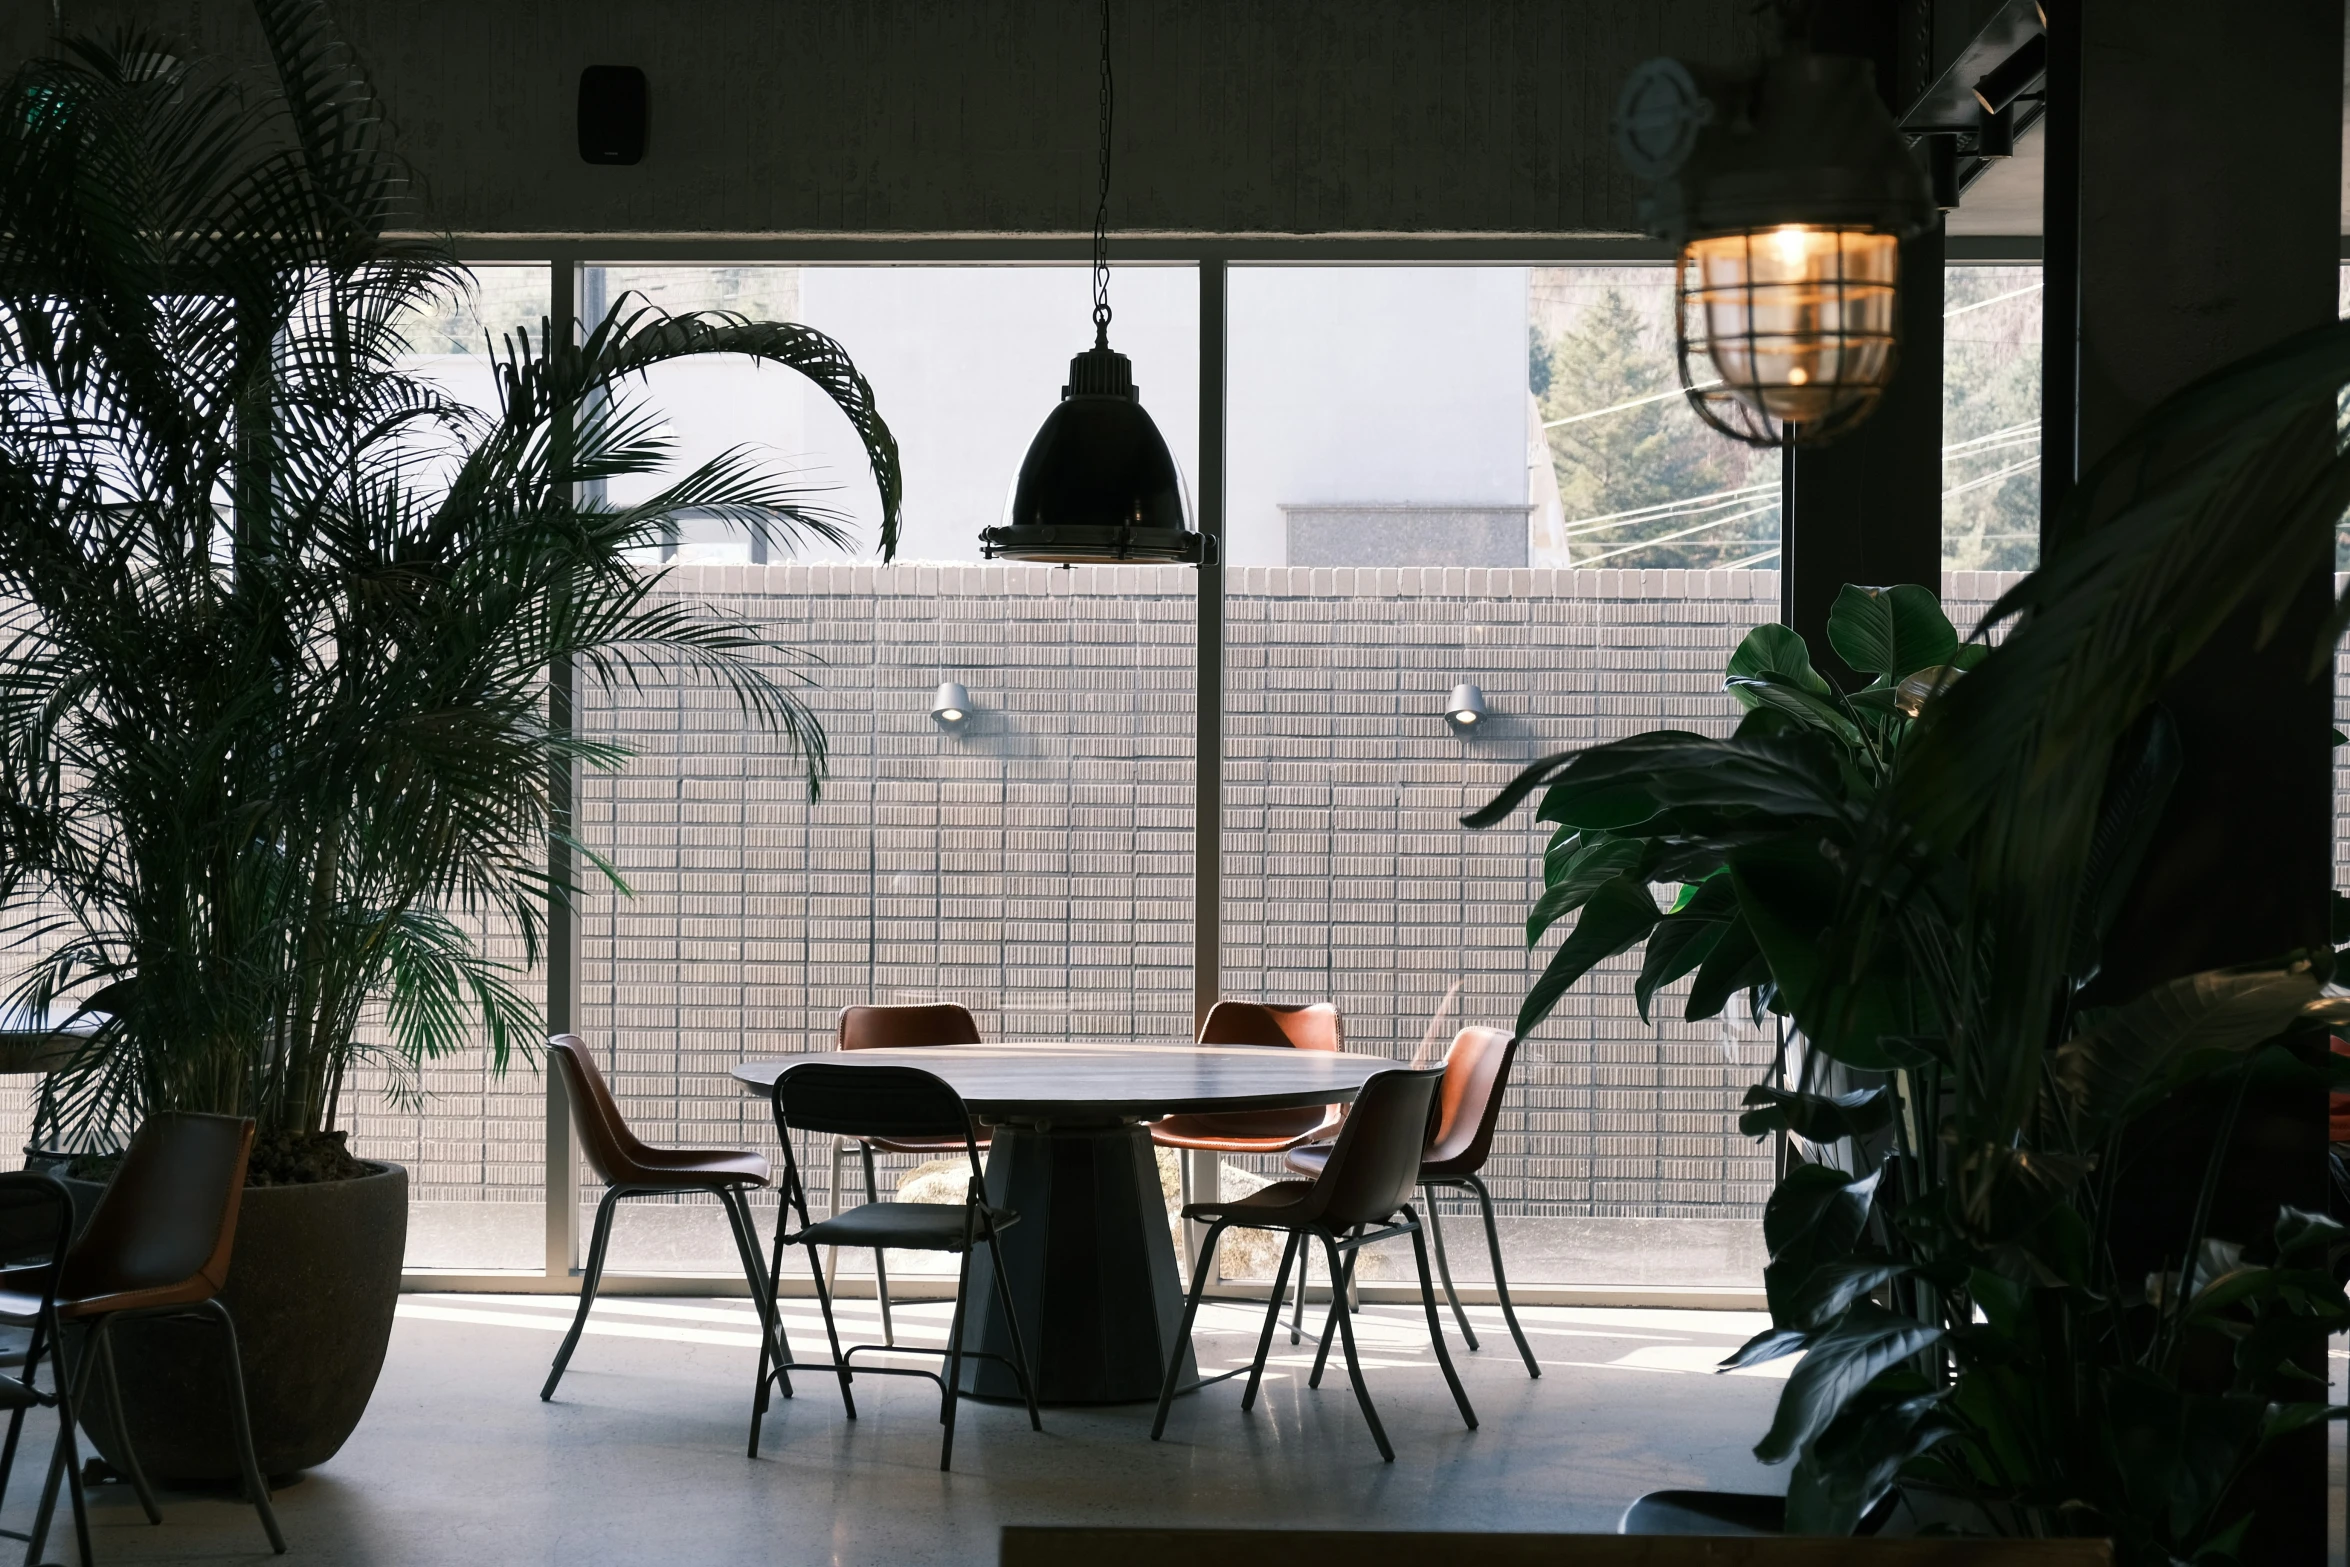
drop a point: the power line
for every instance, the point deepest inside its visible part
(1995, 299)
(1994, 477)
(1616, 408)
(1667, 538)
(1660, 509)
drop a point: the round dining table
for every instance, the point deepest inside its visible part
(1091, 1262)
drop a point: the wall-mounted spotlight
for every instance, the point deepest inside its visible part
(950, 709)
(1465, 709)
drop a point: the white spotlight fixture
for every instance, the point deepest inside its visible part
(950, 709)
(1464, 709)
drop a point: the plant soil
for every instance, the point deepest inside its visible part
(279, 1159)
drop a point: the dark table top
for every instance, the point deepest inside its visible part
(1088, 1082)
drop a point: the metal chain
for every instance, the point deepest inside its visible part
(1101, 216)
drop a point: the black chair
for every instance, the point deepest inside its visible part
(1362, 1196)
(36, 1216)
(902, 1104)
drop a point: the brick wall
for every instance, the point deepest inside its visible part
(1037, 866)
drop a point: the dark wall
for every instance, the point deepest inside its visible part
(2207, 199)
(977, 116)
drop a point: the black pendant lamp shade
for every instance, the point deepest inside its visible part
(1098, 483)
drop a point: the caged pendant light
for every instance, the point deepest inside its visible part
(1788, 193)
(1098, 484)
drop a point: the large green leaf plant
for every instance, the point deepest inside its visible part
(1915, 880)
(278, 617)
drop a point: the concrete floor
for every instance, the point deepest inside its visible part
(640, 1458)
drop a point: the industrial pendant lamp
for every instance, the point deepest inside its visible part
(1098, 483)
(1787, 192)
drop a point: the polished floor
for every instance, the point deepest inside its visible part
(640, 1458)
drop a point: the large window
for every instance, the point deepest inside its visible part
(1435, 475)
(1034, 867)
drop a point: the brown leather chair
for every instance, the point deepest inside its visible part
(1362, 1195)
(1476, 1074)
(629, 1168)
(157, 1245)
(1271, 1132)
(893, 1028)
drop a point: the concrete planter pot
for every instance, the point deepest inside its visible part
(312, 1285)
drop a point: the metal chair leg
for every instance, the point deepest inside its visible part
(256, 1483)
(954, 1376)
(65, 1466)
(832, 1193)
(1338, 1293)
(774, 1345)
(840, 1364)
(1305, 1264)
(1354, 1369)
(889, 1332)
(1444, 1268)
(587, 1289)
(1452, 1378)
(1199, 1285)
(1256, 1370)
(1003, 1298)
(1501, 1285)
(102, 1333)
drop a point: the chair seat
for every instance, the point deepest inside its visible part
(1271, 1206)
(21, 1290)
(692, 1169)
(1252, 1131)
(929, 1147)
(897, 1226)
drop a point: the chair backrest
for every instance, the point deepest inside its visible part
(611, 1148)
(906, 1028)
(1374, 1166)
(1476, 1072)
(36, 1222)
(1313, 1027)
(170, 1214)
(897, 1102)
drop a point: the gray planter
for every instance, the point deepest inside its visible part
(312, 1285)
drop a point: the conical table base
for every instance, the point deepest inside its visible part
(1091, 1266)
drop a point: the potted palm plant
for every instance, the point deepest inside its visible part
(277, 622)
(1917, 880)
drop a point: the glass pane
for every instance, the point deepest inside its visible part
(1991, 419)
(965, 362)
(1412, 510)
(474, 1142)
(1034, 867)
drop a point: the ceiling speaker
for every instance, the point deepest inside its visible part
(612, 108)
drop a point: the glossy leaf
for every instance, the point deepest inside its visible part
(1848, 1468)
(2138, 1052)
(1768, 1345)
(1579, 873)
(1817, 1118)
(1773, 649)
(1814, 1217)
(1685, 937)
(1805, 706)
(1736, 963)
(1893, 632)
(1619, 914)
(1865, 1344)
(1834, 1286)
